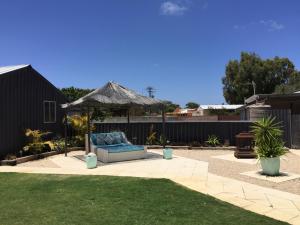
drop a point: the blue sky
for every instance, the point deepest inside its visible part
(180, 47)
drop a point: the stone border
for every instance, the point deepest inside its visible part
(185, 147)
(24, 159)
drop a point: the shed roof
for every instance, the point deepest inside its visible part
(260, 97)
(6, 69)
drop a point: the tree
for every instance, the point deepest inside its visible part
(170, 106)
(192, 105)
(266, 74)
(73, 93)
(292, 86)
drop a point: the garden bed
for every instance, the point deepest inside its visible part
(13, 162)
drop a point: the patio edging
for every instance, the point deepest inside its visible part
(13, 162)
(193, 148)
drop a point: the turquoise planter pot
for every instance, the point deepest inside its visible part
(168, 153)
(91, 161)
(270, 166)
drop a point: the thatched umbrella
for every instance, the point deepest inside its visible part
(111, 95)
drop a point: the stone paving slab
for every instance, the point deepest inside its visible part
(187, 172)
(232, 158)
(284, 176)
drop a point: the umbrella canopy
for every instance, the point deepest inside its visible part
(113, 94)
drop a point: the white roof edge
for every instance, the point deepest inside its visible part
(220, 106)
(6, 69)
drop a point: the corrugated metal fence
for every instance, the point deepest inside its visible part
(179, 132)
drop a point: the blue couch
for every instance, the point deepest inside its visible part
(114, 146)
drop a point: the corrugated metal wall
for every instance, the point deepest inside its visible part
(22, 93)
(179, 132)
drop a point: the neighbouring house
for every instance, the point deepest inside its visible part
(183, 112)
(27, 100)
(285, 107)
(205, 110)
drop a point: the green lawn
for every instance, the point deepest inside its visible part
(58, 199)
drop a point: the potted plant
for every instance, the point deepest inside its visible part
(269, 145)
(167, 152)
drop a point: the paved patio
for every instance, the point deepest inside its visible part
(189, 172)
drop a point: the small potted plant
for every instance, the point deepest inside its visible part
(269, 145)
(167, 152)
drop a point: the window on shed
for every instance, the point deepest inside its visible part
(49, 111)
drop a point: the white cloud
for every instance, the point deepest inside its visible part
(172, 9)
(272, 25)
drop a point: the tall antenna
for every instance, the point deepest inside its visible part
(254, 87)
(151, 91)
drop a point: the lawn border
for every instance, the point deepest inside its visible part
(13, 162)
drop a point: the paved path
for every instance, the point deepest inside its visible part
(188, 172)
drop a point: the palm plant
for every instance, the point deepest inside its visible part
(80, 124)
(37, 144)
(268, 138)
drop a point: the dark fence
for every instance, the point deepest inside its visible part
(179, 132)
(284, 117)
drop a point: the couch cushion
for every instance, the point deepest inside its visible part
(122, 148)
(100, 139)
(123, 138)
(109, 139)
(94, 139)
(117, 139)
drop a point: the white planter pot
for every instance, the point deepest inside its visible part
(270, 166)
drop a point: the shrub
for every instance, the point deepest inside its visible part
(36, 143)
(268, 138)
(151, 139)
(212, 140)
(80, 124)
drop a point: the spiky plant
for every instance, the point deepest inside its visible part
(37, 144)
(268, 138)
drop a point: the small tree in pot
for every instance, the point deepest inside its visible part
(269, 145)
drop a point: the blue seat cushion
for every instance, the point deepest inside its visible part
(117, 148)
(117, 138)
(109, 138)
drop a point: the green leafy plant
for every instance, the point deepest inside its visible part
(37, 144)
(268, 138)
(163, 140)
(80, 124)
(59, 143)
(212, 140)
(151, 139)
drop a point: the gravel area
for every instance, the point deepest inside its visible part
(290, 163)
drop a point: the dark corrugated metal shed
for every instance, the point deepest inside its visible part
(27, 100)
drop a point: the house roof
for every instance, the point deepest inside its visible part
(6, 69)
(230, 107)
(260, 97)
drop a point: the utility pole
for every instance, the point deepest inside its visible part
(150, 91)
